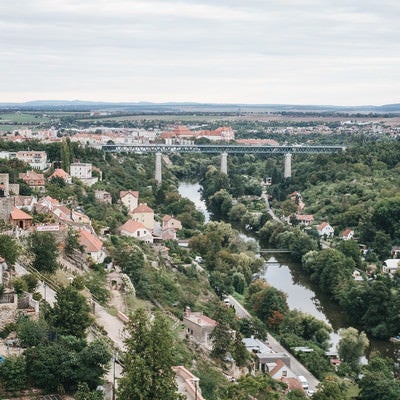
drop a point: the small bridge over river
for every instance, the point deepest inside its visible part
(272, 251)
(223, 149)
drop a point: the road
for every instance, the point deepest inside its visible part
(276, 347)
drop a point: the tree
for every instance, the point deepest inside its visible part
(220, 204)
(44, 248)
(148, 360)
(221, 336)
(84, 393)
(31, 333)
(351, 346)
(67, 362)
(70, 314)
(72, 242)
(329, 389)
(378, 381)
(9, 249)
(12, 373)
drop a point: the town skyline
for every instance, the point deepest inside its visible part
(253, 52)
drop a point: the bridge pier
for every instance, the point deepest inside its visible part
(224, 163)
(158, 174)
(288, 166)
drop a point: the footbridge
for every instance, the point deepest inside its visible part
(223, 149)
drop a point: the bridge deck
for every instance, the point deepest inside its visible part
(220, 148)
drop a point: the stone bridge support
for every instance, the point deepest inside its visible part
(224, 163)
(158, 174)
(288, 166)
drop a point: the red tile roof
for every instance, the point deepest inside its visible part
(123, 193)
(132, 226)
(90, 242)
(142, 208)
(18, 214)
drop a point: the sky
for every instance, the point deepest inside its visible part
(338, 52)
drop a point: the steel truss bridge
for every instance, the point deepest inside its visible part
(220, 148)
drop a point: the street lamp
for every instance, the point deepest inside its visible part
(195, 381)
(115, 356)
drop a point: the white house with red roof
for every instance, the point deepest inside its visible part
(144, 214)
(347, 234)
(136, 230)
(325, 230)
(93, 245)
(129, 198)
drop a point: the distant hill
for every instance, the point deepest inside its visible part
(149, 107)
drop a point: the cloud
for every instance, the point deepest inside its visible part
(255, 50)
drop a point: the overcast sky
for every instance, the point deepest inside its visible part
(342, 52)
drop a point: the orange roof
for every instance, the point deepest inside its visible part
(123, 193)
(267, 142)
(90, 242)
(19, 214)
(142, 208)
(347, 232)
(59, 173)
(132, 226)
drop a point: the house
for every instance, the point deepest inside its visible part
(36, 159)
(136, 230)
(265, 359)
(188, 384)
(305, 220)
(26, 202)
(255, 346)
(92, 245)
(33, 180)
(169, 222)
(20, 219)
(144, 214)
(102, 196)
(60, 173)
(83, 171)
(391, 265)
(198, 326)
(278, 370)
(325, 230)
(347, 234)
(130, 199)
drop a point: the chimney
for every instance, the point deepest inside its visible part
(187, 311)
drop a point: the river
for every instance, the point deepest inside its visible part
(286, 275)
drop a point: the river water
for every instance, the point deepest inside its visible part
(285, 275)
